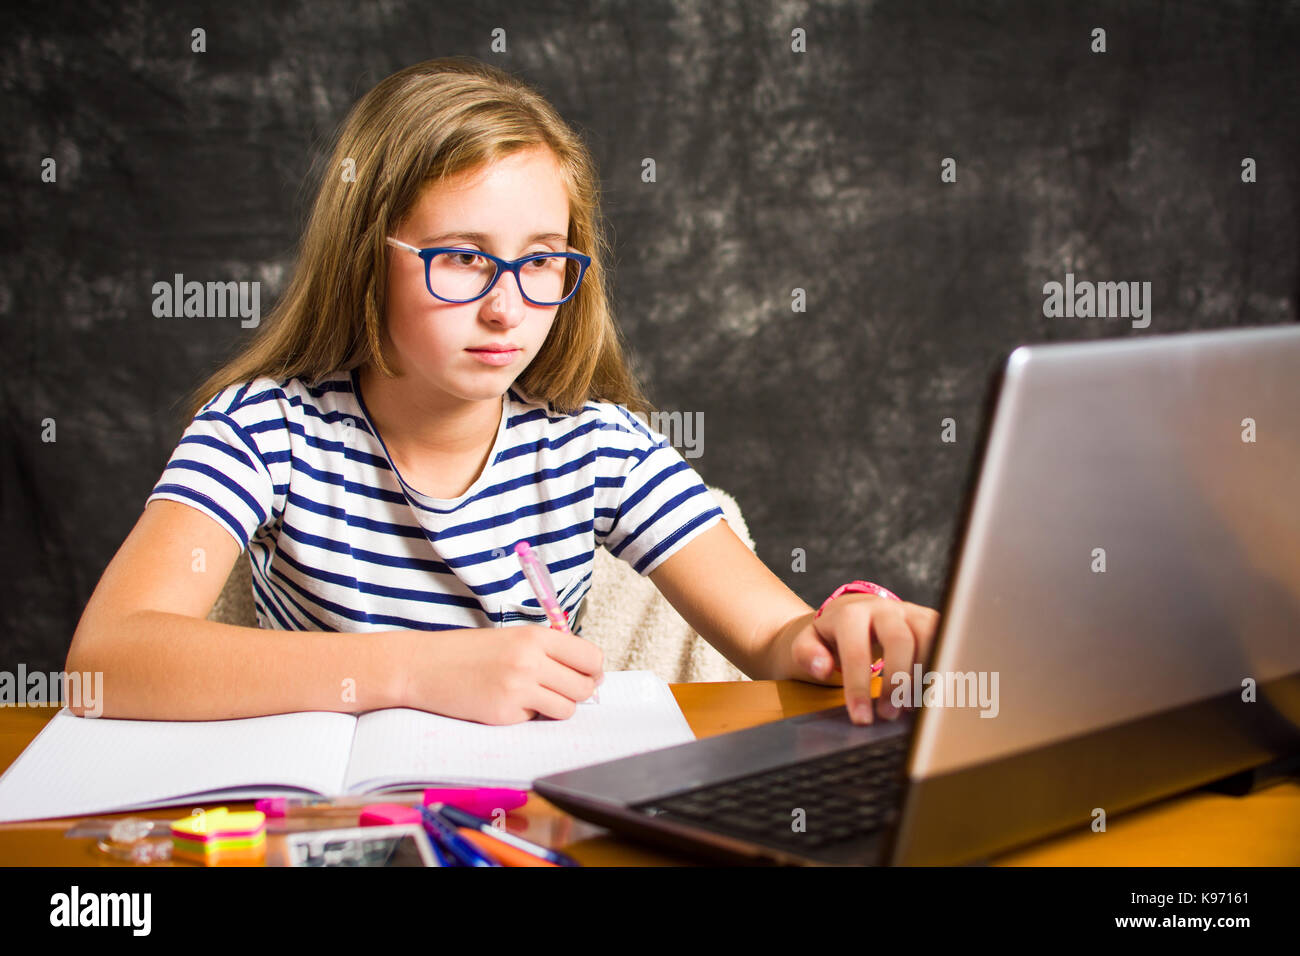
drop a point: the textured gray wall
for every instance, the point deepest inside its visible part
(776, 170)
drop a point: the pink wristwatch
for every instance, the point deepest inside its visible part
(857, 587)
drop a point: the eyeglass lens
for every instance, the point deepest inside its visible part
(463, 275)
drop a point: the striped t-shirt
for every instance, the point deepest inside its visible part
(338, 541)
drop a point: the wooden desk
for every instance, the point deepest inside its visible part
(1203, 829)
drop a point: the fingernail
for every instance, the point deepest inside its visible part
(888, 711)
(862, 713)
(819, 666)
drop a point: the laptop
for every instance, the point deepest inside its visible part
(1120, 623)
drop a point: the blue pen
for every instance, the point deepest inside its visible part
(463, 818)
(440, 854)
(467, 853)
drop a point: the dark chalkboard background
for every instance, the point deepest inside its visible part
(776, 170)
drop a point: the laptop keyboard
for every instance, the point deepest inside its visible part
(845, 797)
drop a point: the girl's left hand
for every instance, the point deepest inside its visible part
(841, 639)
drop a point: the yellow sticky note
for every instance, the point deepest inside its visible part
(214, 823)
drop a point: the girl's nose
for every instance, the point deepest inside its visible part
(506, 300)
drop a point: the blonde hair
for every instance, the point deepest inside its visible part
(425, 123)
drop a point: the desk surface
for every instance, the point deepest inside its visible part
(1203, 829)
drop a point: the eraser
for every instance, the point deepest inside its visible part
(273, 807)
(388, 814)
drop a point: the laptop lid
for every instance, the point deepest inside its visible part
(1123, 621)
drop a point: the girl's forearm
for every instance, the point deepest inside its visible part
(158, 665)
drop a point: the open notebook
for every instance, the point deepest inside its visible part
(79, 766)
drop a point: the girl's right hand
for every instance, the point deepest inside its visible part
(501, 675)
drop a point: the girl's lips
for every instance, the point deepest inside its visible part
(494, 358)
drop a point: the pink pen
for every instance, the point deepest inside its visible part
(540, 581)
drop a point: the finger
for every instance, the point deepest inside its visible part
(548, 703)
(564, 680)
(924, 622)
(853, 639)
(813, 658)
(899, 644)
(573, 651)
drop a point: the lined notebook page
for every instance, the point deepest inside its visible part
(637, 712)
(87, 765)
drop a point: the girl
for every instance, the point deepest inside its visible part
(442, 379)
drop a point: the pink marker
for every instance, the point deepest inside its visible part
(482, 801)
(540, 581)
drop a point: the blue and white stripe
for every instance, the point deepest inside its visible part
(298, 475)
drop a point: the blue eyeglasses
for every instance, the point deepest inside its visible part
(465, 275)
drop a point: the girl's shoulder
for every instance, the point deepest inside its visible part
(592, 416)
(266, 397)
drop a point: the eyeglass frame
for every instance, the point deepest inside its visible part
(502, 266)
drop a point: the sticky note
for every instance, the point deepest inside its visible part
(219, 836)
